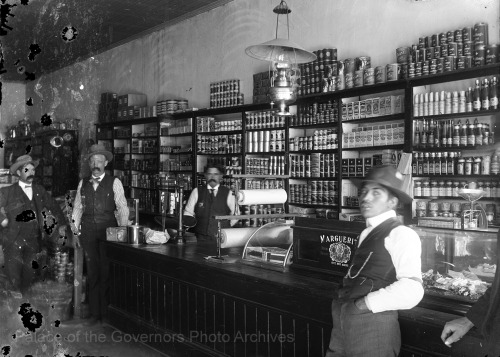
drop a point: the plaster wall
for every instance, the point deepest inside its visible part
(180, 61)
(13, 108)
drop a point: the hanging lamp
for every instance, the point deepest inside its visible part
(284, 56)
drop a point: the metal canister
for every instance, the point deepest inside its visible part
(479, 55)
(422, 54)
(404, 70)
(467, 34)
(481, 33)
(349, 65)
(392, 71)
(435, 40)
(433, 66)
(460, 49)
(330, 54)
(444, 49)
(411, 70)
(461, 62)
(425, 68)
(442, 38)
(369, 76)
(491, 54)
(458, 35)
(380, 74)
(363, 62)
(468, 48)
(450, 63)
(450, 36)
(437, 51)
(452, 49)
(418, 69)
(429, 54)
(403, 54)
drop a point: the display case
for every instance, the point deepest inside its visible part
(458, 266)
(270, 245)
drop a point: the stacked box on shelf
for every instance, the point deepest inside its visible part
(261, 86)
(108, 108)
(128, 103)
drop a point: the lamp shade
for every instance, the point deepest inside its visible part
(280, 50)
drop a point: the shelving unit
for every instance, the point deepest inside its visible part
(307, 121)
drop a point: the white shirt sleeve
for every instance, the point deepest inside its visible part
(403, 244)
(193, 198)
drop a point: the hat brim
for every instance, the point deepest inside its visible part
(15, 166)
(108, 155)
(401, 195)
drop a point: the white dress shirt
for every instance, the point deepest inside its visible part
(404, 247)
(27, 190)
(193, 198)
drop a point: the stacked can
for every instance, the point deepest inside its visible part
(313, 165)
(450, 51)
(315, 192)
(273, 165)
(265, 141)
(316, 113)
(264, 119)
(320, 75)
(225, 94)
(219, 144)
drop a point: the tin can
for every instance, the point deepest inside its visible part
(450, 63)
(422, 54)
(369, 76)
(461, 62)
(491, 54)
(380, 74)
(403, 54)
(349, 65)
(425, 68)
(421, 42)
(442, 38)
(433, 66)
(392, 72)
(469, 62)
(429, 54)
(458, 35)
(411, 70)
(418, 69)
(349, 80)
(437, 52)
(340, 82)
(330, 54)
(435, 40)
(362, 62)
(403, 70)
(467, 34)
(479, 55)
(444, 49)
(450, 36)
(452, 49)
(481, 33)
(460, 49)
(468, 48)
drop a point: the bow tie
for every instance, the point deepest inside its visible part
(95, 180)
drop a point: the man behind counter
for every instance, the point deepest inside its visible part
(384, 276)
(207, 201)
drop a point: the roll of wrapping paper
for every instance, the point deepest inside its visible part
(235, 237)
(254, 197)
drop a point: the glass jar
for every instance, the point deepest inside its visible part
(417, 188)
(434, 188)
(476, 167)
(441, 189)
(456, 187)
(426, 189)
(449, 189)
(461, 166)
(468, 166)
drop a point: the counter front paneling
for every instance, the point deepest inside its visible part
(175, 300)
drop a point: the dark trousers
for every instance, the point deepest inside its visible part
(92, 239)
(358, 333)
(19, 257)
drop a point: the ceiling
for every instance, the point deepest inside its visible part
(36, 41)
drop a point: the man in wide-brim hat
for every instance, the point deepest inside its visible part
(27, 213)
(99, 203)
(384, 275)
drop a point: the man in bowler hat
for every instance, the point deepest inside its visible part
(384, 276)
(99, 203)
(26, 209)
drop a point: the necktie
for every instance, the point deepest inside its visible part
(27, 186)
(212, 194)
(95, 180)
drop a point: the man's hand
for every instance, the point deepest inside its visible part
(5, 222)
(455, 329)
(76, 241)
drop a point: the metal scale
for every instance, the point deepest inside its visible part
(473, 218)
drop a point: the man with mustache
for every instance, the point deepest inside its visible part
(24, 211)
(207, 201)
(384, 276)
(99, 203)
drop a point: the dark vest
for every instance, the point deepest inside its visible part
(32, 228)
(205, 209)
(100, 204)
(378, 271)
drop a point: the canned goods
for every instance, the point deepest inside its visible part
(437, 51)
(392, 71)
(403, 54)
(491, 54)
(450, 63)
(442, 38)
(418, 69)
(479, 55)
(369, 76)
(452, 49)
(458, 35)
(380, 74)
(404, 70)
(481, 33)
(429, 54)
(349, 80)
(435, 40)
(444, 49)
(362, 62)
(467, 34)
(349, 65)
(422, 54)
(450, 36)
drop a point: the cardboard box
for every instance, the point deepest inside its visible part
(345, 167)
(128, 100)
(389, 140)
(359, 167)
(367, 165)
(344, 111)
(355, 114)
(368, 108)
(376, 107)
(376, 135)
(381, 106)
(362, 109)
(350, 110)
(369, 136)
(362, 137)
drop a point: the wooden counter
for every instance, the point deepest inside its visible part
(175, 300)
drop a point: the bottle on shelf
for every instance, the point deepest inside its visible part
(424, 134)
(485, 100)
(430, 104)
(461, 102)
(443, 135)
(463, 133)
(476, 97)
(430, 137)
(471, 137)
(416, 139)
(468, 100)
(456, 135)
(494, 165)
(493, 94)
(454, 102)
(444, 163)
(450, 169)
(478, 132)
(431, 165)
(442, 102)
(449, 134)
